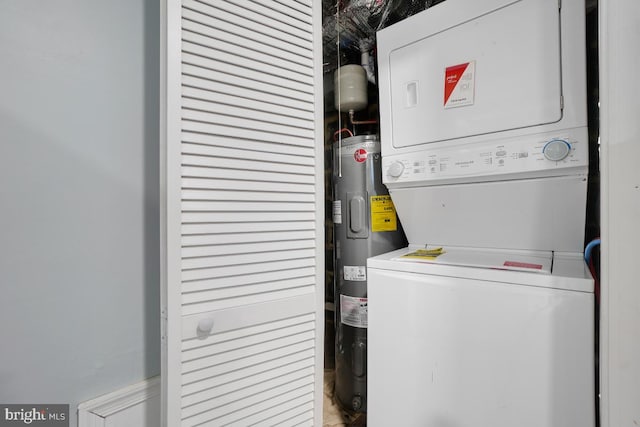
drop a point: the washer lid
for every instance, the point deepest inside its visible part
(563, 271)
(533, 262)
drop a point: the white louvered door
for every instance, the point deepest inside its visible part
(243, 278)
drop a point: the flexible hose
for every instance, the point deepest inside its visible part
(587, 251)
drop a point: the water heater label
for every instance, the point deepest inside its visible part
(337, 211)
(353, 311)
(459, 85)
(383, 214)
(356, 273)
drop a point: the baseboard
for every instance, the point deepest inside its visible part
(137, 405)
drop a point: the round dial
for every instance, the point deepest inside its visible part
(556, 150)
(396, 169)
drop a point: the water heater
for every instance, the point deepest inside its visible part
(365, 225)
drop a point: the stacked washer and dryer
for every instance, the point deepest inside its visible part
(487, 317)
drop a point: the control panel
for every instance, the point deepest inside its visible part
(526, 155)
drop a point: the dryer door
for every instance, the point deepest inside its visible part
(499, 70)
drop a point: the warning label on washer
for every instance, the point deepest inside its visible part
(424, 254)
(383, 214)
(353, 311)
(356, 273)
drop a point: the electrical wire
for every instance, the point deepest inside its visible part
(340, 131)
(596, 282)
(338, 94)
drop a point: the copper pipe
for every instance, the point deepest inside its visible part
(360, 122)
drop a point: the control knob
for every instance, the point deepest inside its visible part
(395, 169)
(556, 150)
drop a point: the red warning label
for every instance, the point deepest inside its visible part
(459, 82)
(522, 265)
(360, 155)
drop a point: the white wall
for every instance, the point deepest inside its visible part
(620, 194)
(79, 244)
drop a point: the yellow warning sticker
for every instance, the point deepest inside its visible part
(425, 254)
(383, 214)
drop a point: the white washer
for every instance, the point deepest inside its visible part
(505, 343)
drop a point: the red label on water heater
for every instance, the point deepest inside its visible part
(360, 155)
(459, 82)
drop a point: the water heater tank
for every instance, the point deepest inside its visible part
(365, 225)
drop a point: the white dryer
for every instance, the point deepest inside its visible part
(485, 153)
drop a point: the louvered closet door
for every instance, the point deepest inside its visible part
(244, 211)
